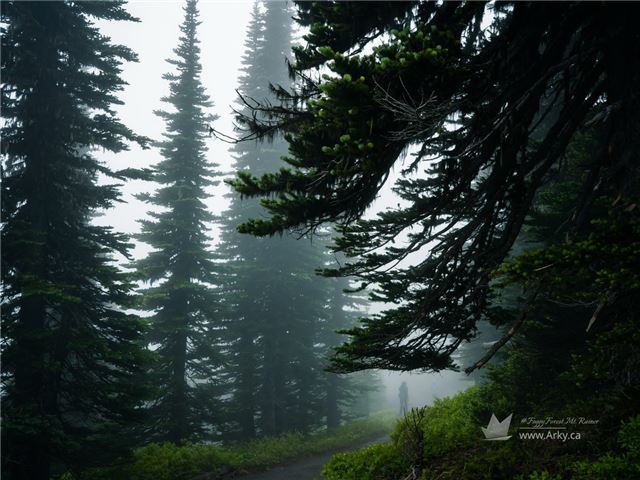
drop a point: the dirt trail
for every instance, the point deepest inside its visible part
(307, 468)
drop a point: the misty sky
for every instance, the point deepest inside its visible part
(221, 35)
(153, 38)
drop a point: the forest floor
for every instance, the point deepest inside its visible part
(307, 468)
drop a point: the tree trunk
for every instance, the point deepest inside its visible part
(333, 410)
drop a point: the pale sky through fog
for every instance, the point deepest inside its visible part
(221, 35)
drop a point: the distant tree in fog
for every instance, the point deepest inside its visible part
(185, 331)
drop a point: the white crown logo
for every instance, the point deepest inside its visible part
(497, 430)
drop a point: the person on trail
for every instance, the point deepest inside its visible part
(403, 393)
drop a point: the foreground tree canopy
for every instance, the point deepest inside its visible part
(73, 381)
(490, 97)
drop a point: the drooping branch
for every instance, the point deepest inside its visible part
(524, 313)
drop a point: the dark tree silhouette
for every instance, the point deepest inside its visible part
(72, 356)
(491, 112)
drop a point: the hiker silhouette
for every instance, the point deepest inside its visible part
(403, 393)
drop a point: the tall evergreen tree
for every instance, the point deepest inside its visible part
(276, 301)
(184, 332)
(72, 356)
(339, 391)
(241, 287)
(574, 311)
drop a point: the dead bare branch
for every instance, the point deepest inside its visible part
(421, 119)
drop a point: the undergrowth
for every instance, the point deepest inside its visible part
(168, 461)
(444, 441)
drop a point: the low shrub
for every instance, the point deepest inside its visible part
(629, 437)
(448, 424)
(615, 466)
(544, 475)
(168, 461)
(381, 461)
(424, 433)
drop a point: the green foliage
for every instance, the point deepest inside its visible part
(610, 360)
(167, 461)
(588, 268)
(487, 461)
(448, 424)
(463, 455)
(180, 269)
(451, 440)
(615, 466)
(382, 461)
(72, 357)
(473, 184)
(544, 475)
(629, 437)
(608, 467)
(453, 448)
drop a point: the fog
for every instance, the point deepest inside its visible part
(221, 34)
(202, 323)
(153, 39)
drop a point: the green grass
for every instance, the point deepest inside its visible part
(168, 461)
(445, 439)
(424, 433)
(269, 451)
(381, 461)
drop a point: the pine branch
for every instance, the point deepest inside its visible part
(524, 313)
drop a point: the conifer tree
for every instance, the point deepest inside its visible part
(180, 269)
(72, 356)
(276, 301)
(338, 390)
(241, 287)
(492, 110)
